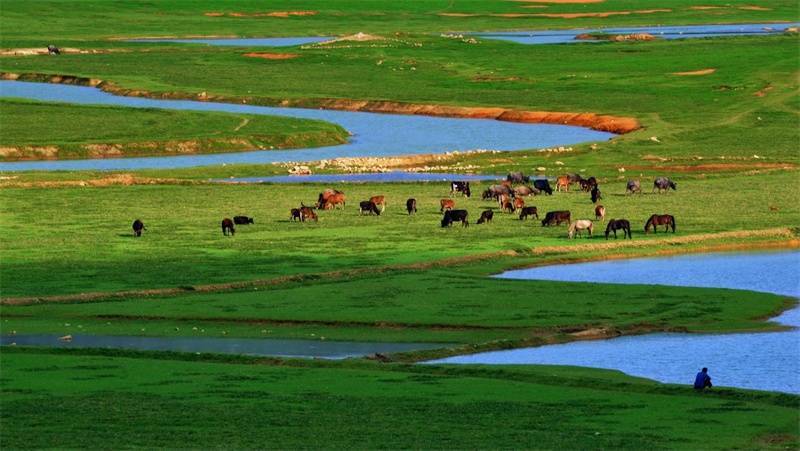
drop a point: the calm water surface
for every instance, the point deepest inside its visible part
(373, 134)
(765, 361)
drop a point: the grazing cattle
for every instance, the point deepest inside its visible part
(634, 186)
(574, 178)
(138, 226)
(562, 183)
(528, 211)
(494, 191)
(524, 190)
(486, 216)
(333, 201)
(446, 204)
(379, 200)
(619, 224)
(518, 203)
(460, 187)
(656, 220)
(53, 50)
(577, 226)
(517, 177)
(588, 184)
(600, 212)
(227, 227)
(664, 184)
(327, 194)
(543, 185)
(294, 214)
(596, 194)
(307, 213)
(411, 206)
(502, 199)
(243, 220)
(369, 207)
(556, 218)
(508, 207)
(451, 216)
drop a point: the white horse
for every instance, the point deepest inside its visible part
(580, 224)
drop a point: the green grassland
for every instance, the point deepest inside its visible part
(74, 131)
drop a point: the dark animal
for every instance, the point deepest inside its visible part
(460, 187)
(508, 207)
(663, 184)
(486, 216)
(243, 220)
(379, 200)
(588, 184)
(619, 224)
(524, 190)
(596, 194)
(369, 207)
(307, 213)
(138, 226)
(494, 191)
(53, 50)
(518, 177)
(656, 220)
(556, 218)
(574, 178)
(446, 204)
(600, 212)
(543, 185)
(633, 187)
(411, 206)
(294, 215)
(451, 216)
(227, 227)
(528, 211)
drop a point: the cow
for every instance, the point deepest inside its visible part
(460, 187)
(518, 203)
(596, 194)
(227, 227)
(556, 218)
(574, 178)
(451, 216)
(333, 201)
(379, 200)
(307, 213)
(294, 215)
(663, 184)
(486, 216)
(369, 207)
(588, 184)
(528, 211)
(411, 206)
(600, 213)
(494, 191)
(242, 220)
(325, 195)
(446, 204)
(525, 190)
(53, 50)
(518, 177)
(543, 185)
(503, 199)
(508, 207)
(562, 183)
(633, 187)
(138, 226)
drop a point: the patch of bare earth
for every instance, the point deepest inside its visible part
(560, 2)
(271, 56)
(763, 91)
(111, 180)
(279, 14)
(33, 51)
(582, 15)
(695, 72)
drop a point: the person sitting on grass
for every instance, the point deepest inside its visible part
(702, 380)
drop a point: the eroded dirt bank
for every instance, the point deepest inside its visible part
(600, 122)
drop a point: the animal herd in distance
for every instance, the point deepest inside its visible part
(509, 199)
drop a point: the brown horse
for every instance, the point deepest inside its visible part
(600, 212)
(656, 220)
(307, 213)
(619, 224)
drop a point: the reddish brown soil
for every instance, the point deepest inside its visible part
(282, 14)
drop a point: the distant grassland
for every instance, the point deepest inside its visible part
(35, 130)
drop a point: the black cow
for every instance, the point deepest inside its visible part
(242, 220)
(486, 216)
(528, 211)
(451, 216)
(664, 184)
(294, 214)
(596, 194)
(53, 50)
(588, 184)
(369, 207)
(411, 206)
(517, 177)
(138, 226)
(556, 218)
(543, 185)
(227, 227)
(460, 187)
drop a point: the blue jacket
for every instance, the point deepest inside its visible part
(700, 380)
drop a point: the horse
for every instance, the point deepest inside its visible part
(663, 184)
(619, 224)
(600, 212)
(227, 227)
(411, 206)
(577, 226)
(633, 187)
(138, 226)
(656, 220)
(446, 204)
(486, 216)
(596, 194)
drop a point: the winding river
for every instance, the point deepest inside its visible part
(765, 361)
(373, 134)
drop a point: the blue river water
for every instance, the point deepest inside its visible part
(373, 134)
(765, 361)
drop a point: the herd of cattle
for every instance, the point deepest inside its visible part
(510, 199)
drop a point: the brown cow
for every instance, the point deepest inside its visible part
(447, 204)
(508, 207)
(333, 201)
(323, 196)
(307, 213)
(600, 213)
(518, 203)
(562, 183)
(380, 201)
(503, 199)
